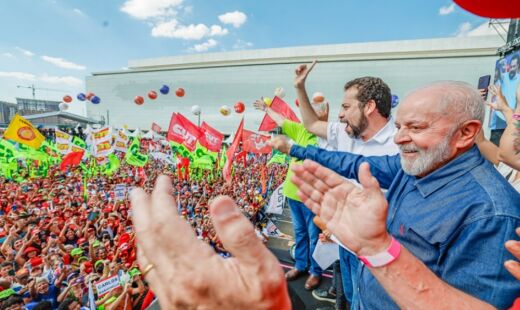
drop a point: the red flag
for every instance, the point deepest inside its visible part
(210, 138)
(181, 130)
(72, 159)
(255, 143)
(156, 127)
(230, 153)
(279, 106)
(263, 180)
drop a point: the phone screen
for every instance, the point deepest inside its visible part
(483, 83)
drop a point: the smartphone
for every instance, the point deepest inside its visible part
(92, 215)
(483, 83)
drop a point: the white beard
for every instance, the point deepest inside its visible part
(426, 159)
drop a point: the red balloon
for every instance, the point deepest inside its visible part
(297, 102)
(90, 95)
(152, 95)
(180, 92)
(239, 107)
(67, 99)
(139, 100)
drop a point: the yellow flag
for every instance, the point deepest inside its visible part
(22, 131)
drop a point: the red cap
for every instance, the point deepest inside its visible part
(30, 249)
(491, 8)
(36, 261)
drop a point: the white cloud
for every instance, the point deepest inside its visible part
(9, 55)
(203, 47)
(447, 10)
(235, 18)
(463, 30)
(18, 75)
(62, 63)
(216, 30)
(60, 80)
(188, 9)
(79, 12)
(240, 44)
(45, 78)
(145, 9)
(172, 29)
(25, 52)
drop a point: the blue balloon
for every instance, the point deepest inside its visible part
(395, 101)
(95, 100)
(164, 90)
(81, 97)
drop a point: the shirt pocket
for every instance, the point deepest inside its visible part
(423, 244)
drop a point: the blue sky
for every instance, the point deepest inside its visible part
(54, 44)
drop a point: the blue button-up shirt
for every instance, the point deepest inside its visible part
(455, 220)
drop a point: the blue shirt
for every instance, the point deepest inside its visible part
(455, 220)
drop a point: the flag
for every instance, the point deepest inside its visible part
(79, 142)
(230, 153)
(210, 138)
(156, 127)
(279, 106)
(22, 131)
(263, 180)
(255, 143)
(72, 159)
(133, 156)
(182, 130)
(91, 298)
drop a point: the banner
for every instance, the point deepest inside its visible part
(156, 127)
(230, 153)
(120, 192)
(276, 202)
(105, 286)
(22, 131)
(102, 142)
(133, 156)
(255, 143)
(210, 138)
(279, 106)
(121, 142)
(182, 130)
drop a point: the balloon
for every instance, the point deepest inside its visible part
(180, 92)
(152, 95)
(279, 92)
(138, 100)
(67, 99)
(90, 95)
(318, 97)
(63, 106)
(95, 100)
(125, 126)
(195, 110)
(81, 97)
(240, 107)
(268, 101)
(395, 101)
(297, 102)
(164, 90)
(225, 110)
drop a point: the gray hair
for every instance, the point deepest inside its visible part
(461, 100)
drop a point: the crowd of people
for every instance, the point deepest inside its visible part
(64, 233)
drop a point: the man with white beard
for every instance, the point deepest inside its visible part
(448, 214)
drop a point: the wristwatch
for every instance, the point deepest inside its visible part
(383, 258)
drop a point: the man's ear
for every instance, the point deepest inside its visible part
(370, 107)
(468, 132)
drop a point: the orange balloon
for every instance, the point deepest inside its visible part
(180, 92)
(138, 100)
(67, 99)
(240, 107)
(152, 95)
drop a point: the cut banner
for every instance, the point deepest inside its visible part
(182, 130)
(210, 138)
(276, 202)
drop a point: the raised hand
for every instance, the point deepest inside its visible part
(280, 143)
(501, 102)
(302, 71)
(355, 215)
(259, 104)
(168, 247)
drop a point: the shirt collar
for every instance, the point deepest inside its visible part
(387, 132)
(449, 172)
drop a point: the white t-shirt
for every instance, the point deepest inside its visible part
(382, 143)
(510, 175)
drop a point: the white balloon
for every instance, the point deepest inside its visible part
(279, 92)
(63, 106)
(195, 110)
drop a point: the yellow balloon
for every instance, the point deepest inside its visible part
(268, 101)
(125, 126)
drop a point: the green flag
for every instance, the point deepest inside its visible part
(133, 156)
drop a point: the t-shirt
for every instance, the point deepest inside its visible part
(52, 296)
(302, 137)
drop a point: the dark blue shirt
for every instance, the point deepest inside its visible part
(455, 220)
